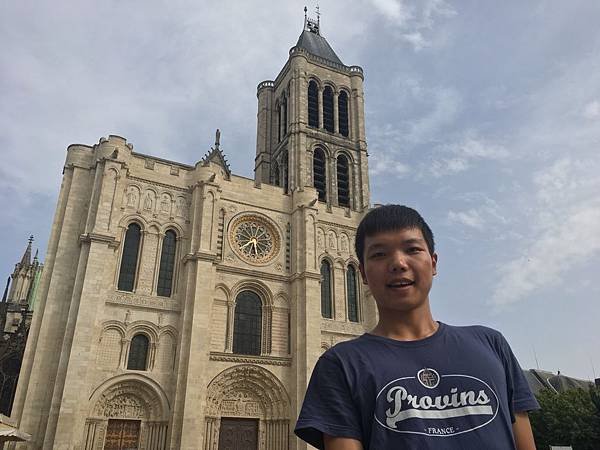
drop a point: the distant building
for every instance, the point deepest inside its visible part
(557, 382)
(16, 311)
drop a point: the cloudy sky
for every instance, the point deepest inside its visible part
(483, 115)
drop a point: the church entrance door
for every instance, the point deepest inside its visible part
(238, 434)
(122, 435)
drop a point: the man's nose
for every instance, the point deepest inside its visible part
(397, 262)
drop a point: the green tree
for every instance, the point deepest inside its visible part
(567, 418)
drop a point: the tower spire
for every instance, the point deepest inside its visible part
(26, 259)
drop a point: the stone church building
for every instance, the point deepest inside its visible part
(183, 306)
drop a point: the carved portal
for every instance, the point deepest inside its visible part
(131, 401)
(248, 391)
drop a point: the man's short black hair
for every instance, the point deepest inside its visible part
(390, 218)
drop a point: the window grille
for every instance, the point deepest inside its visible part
(129, 260)
(138, 353)
(343, 113)
(326, 310)
(313, 104)
(343, 181)
(167, 264)
(319, 174)
(352, 291)
(328, 109)
(247, 328)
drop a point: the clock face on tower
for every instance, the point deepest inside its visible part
(254, 239)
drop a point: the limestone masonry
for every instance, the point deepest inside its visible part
(184, 307)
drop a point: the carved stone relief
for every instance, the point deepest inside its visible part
(320, 238)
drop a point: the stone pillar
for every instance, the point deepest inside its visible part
(56, 291)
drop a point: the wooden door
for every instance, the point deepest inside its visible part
(122, 435)
(238, 434)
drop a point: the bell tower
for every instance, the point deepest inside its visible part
(311, 127)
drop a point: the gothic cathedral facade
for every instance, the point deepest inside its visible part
(184, 307)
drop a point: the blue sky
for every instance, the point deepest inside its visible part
(483, 115)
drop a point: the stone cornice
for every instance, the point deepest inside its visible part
(101, 238)
(200, 256)
(345, 328)
(143, 301)
(338, 225)
(157, 183)
(253, 273)
(251, 359)
(304, 275)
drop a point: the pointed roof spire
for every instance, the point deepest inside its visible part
(312, 41)
(216, 155)
(26, 259)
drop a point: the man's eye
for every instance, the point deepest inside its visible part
(414, 249)
(377, 254)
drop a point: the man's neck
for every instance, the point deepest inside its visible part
(406, 325)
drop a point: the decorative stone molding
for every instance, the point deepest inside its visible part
(144, 301)
(251, 359)
(351, 328)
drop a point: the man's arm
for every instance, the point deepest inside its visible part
(341, 443)
(521, 431)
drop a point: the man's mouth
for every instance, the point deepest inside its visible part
(396, 284)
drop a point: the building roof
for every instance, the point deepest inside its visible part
(542, 379)
(313, 42)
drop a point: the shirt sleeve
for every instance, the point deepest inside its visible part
(520, 396)
(328, 407)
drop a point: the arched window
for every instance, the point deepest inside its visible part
(352, 292)
(275, 173)
(319, 173)
(167, 264)
(343, 181)
(247, 327)
(138, 353)
(326, 310)
(343, 113)
(328, 109)
(313, 104)
(129, 260)
(278, 123)
(285, 115)
(284, 170)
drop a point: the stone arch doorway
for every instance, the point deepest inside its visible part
(243, 395)
(127, 412)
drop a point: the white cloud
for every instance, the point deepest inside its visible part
(415, 20)
(443, 167)
(564, 231)
(470, 218)
(383, 163)
(592, 110)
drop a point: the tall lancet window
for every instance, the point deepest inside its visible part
(275, 174)
(313, 104)
(326, 309)
(278, 123)
(343, 113)
(352, 293)
(319, 174)
(138, 353)
(343, 181)
(285, 115)
(247, 327)
(284, 170)
(129, 259)
(328, 109)
(167, 264)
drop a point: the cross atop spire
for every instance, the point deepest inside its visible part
(312, 25)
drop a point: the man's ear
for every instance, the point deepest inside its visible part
(434, 259)
(362, 273)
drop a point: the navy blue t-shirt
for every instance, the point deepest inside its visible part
(456, 389)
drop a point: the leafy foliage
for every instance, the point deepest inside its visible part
(570, 417)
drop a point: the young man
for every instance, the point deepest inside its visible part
(412, 382)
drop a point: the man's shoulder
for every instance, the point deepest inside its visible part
(475, 330)
(355, 345)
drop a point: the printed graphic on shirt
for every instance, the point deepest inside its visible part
(436, 405)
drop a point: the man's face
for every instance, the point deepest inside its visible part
(398, 269)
